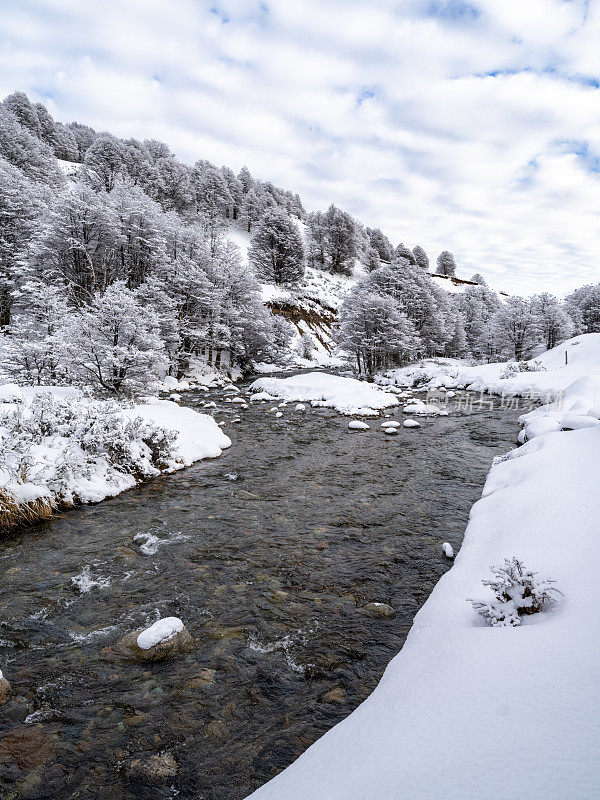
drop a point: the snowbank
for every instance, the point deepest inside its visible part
(466, 711)
(347, 395)
(60, 447)
(582, 357)
(198, 435)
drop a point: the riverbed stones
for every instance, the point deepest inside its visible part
(379, 610)
(175, 644)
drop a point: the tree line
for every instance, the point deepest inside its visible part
(125, 271)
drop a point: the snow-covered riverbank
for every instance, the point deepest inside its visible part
(60, 447)
(465, 708)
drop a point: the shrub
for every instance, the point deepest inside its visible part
(518, 592)
(514, 367)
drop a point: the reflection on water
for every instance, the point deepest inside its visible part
(268, 554)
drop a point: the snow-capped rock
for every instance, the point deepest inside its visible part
(357, 425)
(448, 550)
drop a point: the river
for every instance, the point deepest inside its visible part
(268, 554)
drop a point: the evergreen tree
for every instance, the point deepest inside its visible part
(446, 264)
(421, 258)
(276, 251)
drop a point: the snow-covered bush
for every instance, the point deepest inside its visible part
(514, 367)
(54, 443)
(518, 592)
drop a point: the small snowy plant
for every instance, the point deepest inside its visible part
(518, 592)
(514, 367)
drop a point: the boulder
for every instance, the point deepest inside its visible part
(166, 638)
(358, 425)
(379, 610)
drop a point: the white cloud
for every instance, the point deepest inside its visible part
(472, 126)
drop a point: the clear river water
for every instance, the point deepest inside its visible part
(268, 554)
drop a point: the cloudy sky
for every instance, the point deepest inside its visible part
(470, 126)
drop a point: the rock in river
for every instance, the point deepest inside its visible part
(157, 768)
(166, 638)
(381, 610)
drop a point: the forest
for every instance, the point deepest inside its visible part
(116, 269)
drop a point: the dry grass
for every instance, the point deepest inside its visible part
(15, 515)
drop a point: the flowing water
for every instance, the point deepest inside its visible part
(268, 555)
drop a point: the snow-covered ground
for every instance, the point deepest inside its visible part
(582, 358)
(60, 446)
(466, 711)
(347, 395)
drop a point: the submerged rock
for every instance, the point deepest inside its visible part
(5, 690)
(166, 638)
(380, 610)
(158, 768)
(335, 695)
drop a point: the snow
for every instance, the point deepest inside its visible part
(198, 435)
(390, 431)
(10, 393)
(411, 423)
(346, 395)
(448, 550)
(583, 354)
(161, 631)
(357, 425)
(465, 710)
(390, 424)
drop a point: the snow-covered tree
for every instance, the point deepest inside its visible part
(587, 301)
(104, 162)
(28, 152)
(381, 243)
(77, 242)
(403, 252)
(421, 258)
(32, 347)
(114, 343)
(21, 203)
(555, 324)
(517, 328)
(140, 243)
(446, 265)
(276, 250)
(213, 200)
(374, 331)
